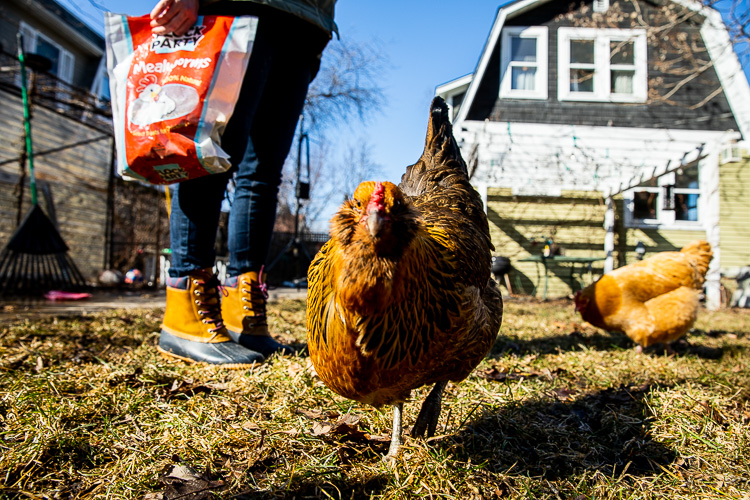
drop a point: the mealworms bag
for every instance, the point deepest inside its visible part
(172, 96)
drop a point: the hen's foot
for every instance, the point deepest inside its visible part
(396, 441)
(427, 419)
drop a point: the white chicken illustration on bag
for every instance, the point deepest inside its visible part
(156, 103)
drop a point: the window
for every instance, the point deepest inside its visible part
(37, 43)
(454, 104)
(100, 85)
(672, 199)
(602, 65)
(686, 194)
(524, 63)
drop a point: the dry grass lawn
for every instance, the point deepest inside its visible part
(558, 410)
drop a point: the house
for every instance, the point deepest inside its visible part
(70, 128)
(594, 129)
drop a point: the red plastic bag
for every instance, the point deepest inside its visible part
(173, 96)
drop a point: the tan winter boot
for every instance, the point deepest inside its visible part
(243, 308)
(193, 329)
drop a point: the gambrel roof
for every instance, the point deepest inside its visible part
(713, 32)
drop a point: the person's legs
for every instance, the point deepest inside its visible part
(291, 69)
(251, 219)
(193, 328)
(193, 222)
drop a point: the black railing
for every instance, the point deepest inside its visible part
(48, 91)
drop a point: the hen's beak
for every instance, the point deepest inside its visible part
(374, 222)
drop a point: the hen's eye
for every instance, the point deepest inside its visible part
(357, 204)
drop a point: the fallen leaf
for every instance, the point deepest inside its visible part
(317, 414)
(182, 481)
(295, 368)
(346, 426)
(501, 375)
(183, 472)
(321, 428)
(564, 394)
(310, 368)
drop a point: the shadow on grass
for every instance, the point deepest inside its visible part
(605, 431)
(564, 342)
(600, 341)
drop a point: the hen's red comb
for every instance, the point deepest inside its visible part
(377, 198)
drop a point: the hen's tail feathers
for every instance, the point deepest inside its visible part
(441, 163)
(440, 145)
(440, 152)
(700, 253)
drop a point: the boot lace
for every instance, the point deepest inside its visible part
(258, 296)
(207, 299)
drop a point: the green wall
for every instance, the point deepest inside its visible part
(734, 231)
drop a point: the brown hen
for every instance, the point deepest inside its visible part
(651, 301)
(401, 296)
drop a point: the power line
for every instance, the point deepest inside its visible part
(92, 21)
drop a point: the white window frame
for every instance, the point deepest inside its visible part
(665, 219)
(602, 67)
(601, 5)
(66, 63)
(540, 33)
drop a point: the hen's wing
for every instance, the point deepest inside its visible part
(657, 275)
(662, 319)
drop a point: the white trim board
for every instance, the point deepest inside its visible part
(545, 157)
(453, 85)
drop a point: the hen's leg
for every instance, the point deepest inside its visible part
(427, 419)
(396, 434)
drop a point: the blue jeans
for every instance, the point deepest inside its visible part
(285, 58)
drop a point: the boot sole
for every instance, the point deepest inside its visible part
(229, 366)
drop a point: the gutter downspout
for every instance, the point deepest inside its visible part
(713, 277)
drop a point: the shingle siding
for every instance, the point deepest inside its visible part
(676, 113)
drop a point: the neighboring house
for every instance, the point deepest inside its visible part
(70, 129)
(600, 125)
(75, 51)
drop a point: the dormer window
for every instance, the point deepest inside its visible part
(602, 65)
(524, 63)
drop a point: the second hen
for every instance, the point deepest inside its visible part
(401, 296)
(652, 301)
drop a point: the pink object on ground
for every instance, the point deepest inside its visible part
(60, 295)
